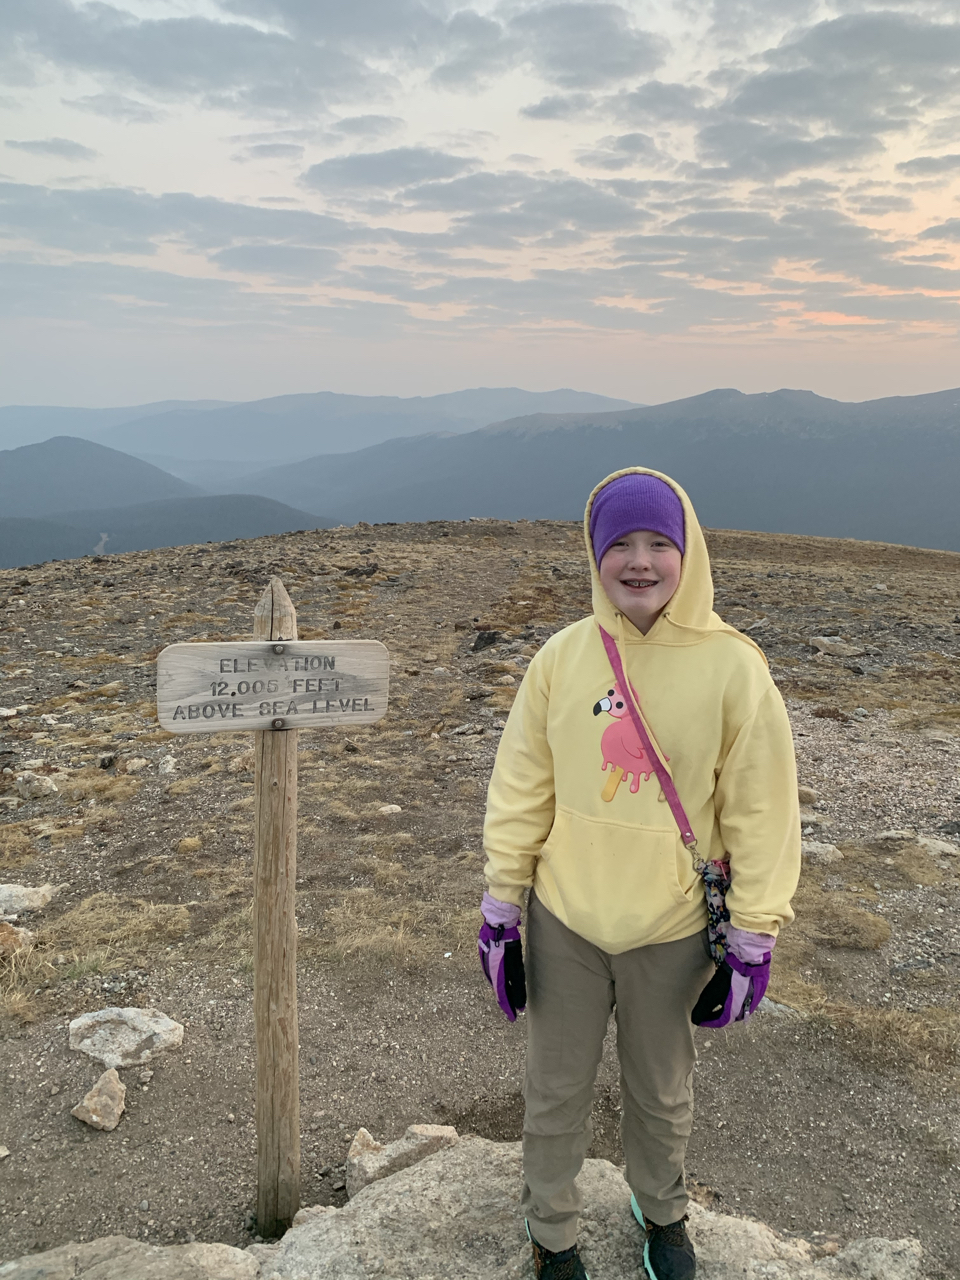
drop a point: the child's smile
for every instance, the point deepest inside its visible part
(640, 573)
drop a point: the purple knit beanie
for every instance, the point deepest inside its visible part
(631, 502)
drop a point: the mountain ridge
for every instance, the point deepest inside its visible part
(148, 526)
(66, 473)
(786, 461)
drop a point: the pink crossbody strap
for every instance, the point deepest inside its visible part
(666, 782)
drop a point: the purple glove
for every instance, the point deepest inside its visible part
(501, 954)
(736, 989)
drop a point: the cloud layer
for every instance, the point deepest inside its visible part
(733, 172)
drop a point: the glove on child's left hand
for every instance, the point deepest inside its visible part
(501, 954)
(736, 989)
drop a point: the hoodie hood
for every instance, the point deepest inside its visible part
(689, 616)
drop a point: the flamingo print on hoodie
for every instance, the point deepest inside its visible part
(609, 863)
(621, 746)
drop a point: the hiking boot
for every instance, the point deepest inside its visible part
(667, 1251)
(567, 1265)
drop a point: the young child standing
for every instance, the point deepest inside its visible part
(616, 914)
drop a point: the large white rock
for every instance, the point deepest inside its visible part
(118, 1258)
(938, 848)
(124, 1037)
(454, 1216)
(369, 1160)
(15, 898)
(834, 647)
(820, 853)
(31, 786)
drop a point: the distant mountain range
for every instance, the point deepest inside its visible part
(67, 474)
(787, 461)
(169, 523)
(29, 423)
(210, 442)
(68, 497)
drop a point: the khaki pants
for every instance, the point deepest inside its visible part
(572, 986)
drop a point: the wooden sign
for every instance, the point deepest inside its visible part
(273, 686)
(254, 685)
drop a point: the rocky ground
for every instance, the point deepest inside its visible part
(454, 1216)
(833, 1118)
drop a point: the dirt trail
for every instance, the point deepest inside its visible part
(840, 1119)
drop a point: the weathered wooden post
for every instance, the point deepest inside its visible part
(275, 944)
(273, 686)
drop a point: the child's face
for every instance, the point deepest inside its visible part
(640, 573)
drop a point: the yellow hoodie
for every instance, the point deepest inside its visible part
(614, 869)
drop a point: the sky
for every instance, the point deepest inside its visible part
(242, 198)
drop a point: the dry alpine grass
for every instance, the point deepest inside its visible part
(100, 934)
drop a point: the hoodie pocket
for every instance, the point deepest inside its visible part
(616, 884)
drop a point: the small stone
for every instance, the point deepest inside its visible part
(145, 1076)
(484, 640)
(7, 713)
(15, 898)
(136, 764)
(14, 940)
(810, 818)
(440, 671)
(369, 1160)
(4, 1152)
(124, 1037)
(778, 1010)
(389, 808)
(835, 648)
(106, 759)
(168, 765)
(820, 854)
(938, 848)
(903, 834)
(31, 786)
(364, 1143)
(311, 1212)
(104, 1104)
(231, 1118)
(350, 746)
(807, 795)
(189, 844)
(506, 680)
(144, 1206)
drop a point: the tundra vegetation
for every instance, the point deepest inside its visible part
(835, 1114)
